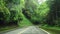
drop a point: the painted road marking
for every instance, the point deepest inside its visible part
(44, 31)
(23, 31)
(29, 28)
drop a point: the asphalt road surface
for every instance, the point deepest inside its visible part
(28, 30)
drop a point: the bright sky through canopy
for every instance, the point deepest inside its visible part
(41, 1)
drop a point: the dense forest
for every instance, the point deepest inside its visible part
(12, 12)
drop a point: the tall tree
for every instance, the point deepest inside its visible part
(31, 7)
(53, 16)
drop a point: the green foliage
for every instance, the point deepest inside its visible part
(30, 9)
(39, 17)
(10, 11)
(4, 13)
(53, 16)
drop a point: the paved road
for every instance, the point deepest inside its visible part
(28, 30)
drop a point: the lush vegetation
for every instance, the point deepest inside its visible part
(27, 12)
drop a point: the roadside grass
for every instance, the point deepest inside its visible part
(51, 30)
(25, 22)
(7, 28)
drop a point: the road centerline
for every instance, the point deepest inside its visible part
(23, 30)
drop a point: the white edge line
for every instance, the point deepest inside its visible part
(45, 31)
(28, 28)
